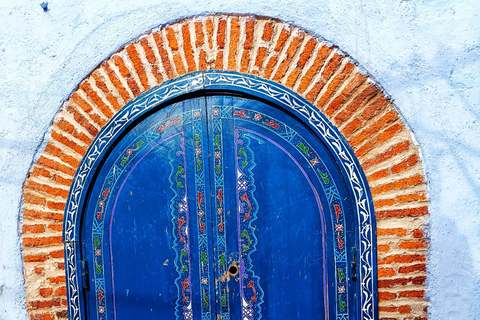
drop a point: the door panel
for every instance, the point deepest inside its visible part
(218, 207)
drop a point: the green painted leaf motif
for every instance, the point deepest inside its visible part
(242, 152)
(97, 241)
(341, 275)
(217, 169)
(224, 299)
(222, 260)
(180, 170)
(205, 298)
(98, 268)
(124, 161)
(304, 148)
(204, 258)
(217, 141)
(324, 177)
(183, 253)
(342, 303)
(247, 236)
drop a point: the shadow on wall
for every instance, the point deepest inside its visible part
(453, 264)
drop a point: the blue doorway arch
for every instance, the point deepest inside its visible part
(257, 121)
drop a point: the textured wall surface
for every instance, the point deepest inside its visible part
(424, 53)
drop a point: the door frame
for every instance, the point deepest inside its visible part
(209, 82)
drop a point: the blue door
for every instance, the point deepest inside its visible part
(219, 207)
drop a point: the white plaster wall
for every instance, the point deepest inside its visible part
(424, 53)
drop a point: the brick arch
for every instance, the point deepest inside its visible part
(270, 49)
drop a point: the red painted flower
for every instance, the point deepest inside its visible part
(258, 116)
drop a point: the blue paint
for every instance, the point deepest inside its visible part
(283, 243)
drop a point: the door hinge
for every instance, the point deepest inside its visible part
(85, 275)
(354, 264)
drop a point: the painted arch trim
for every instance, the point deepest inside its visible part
(233, 82)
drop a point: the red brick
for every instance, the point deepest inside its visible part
(62, 291)
(334, 84)
(234, 38)
(417, 233)
(287, 57)
(57, 254)
(46, 304)
(383, 247)
(138, 65)
(69, 143)
(393, 151)
(199, 36)
(69, 128)
(413, 212)
(81, 103)
(56, 280)
(42, 215)
(177, 61)
(39, 270)
(404, 309)
(47, 189)
(413, 268)
(187, 48)
(322, 55)
(85, 86)
(411, 161)
(45, 292)
(260, 56)
(382, 296)
(412, 294)
(373, 128)
(353, 106)
(378, 175)
(150, 55)
(284, 34)
(374, 107)
(399, 184)
(209, 25)
(267, 32)
(41, 317)
(81, 120)
(163, 55)
(172, 40)
(55, 227)
(116, 82)
(336, 103)
(56, 205)
(402, 259)
(221, 33)
(269, 67)
(35, 228)
(44, 241)
(247, 46)
(387, 309)
(202, 60)
(126, 74)
(384, 203)
(385, 272)
(30, 198)
(219, 61)
(399, 232)
(35, 258)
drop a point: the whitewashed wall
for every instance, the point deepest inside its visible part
(426, 54)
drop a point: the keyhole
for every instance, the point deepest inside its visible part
(233, 270)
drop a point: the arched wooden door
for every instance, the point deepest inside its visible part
(219, 205)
